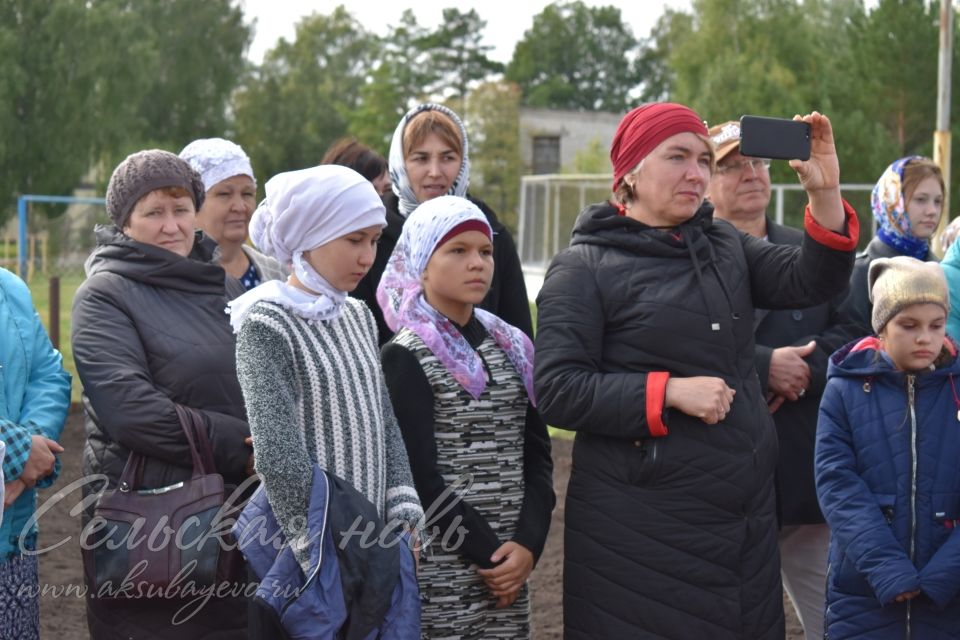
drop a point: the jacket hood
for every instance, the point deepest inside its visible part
(117, 253)
(602, 225)
(952, 257)
(863, 357)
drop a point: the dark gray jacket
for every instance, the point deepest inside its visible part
(149, 330)
(672, 536)
(797, 421)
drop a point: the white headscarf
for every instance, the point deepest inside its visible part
(398, 170)
(304, 210)
(216, 160)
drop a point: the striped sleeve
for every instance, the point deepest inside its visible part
(402, 502)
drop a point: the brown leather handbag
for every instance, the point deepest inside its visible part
(167, 542)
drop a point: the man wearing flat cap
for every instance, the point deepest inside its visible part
(792, 349)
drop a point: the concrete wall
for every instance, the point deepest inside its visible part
(576, 130)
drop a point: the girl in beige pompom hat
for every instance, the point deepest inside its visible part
(887, 464)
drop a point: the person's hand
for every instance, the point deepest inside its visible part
(789, 374)
(251, 461)
(907, 595)
(820, 175)
(702, 397)
(515, 564)
(41, 460)
(12, 491)
(774, 402)
(505, 601)
(415, 547)
(822, 171)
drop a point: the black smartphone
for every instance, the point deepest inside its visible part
(774, 138)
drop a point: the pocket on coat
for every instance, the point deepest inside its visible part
(848, 579)
(644, 459)
(946, 517)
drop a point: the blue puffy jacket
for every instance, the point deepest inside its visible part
(361, 590)
(888, 480)
(951, 269)
(34, 399)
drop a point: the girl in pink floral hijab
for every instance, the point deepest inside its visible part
(460, 381)
(401, 294)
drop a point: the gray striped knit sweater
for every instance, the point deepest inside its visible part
(315, 393)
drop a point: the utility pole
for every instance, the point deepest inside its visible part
(941, 137)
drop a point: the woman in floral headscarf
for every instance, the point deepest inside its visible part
(429, 158)
(907, 203)
(461, 382)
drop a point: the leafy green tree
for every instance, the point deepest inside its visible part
(84, 82)
(495, 147)
(299, 101)
(458, 56)
(188, 58)
(593, 158)
(400, 76)
(577, 57)
(47, 92)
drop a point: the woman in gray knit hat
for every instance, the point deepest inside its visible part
(231, 197)
(149, 333)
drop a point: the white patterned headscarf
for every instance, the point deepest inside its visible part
(304, 210)
(398, 170)
(400, 295)
(216, 160)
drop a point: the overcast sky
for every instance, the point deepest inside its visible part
(506, 21)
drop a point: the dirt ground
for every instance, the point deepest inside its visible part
(62, 611)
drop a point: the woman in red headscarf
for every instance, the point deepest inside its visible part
(645, 348)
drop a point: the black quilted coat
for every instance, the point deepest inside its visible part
(672, 536)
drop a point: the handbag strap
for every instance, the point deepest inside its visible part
(196, 432)
(200, 450)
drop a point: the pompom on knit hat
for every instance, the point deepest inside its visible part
(146, 171)
(644, 128)
(896, 283)
(216, 160)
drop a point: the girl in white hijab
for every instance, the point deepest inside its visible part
(307, 356)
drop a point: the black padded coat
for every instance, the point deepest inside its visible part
(672, 536)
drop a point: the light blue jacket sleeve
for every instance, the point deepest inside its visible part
(37, 391)
(951, 269)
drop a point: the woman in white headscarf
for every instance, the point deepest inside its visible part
(231, 197)
(461, 380)
(429, 158)
(307, 355)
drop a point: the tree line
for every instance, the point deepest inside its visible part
(84, 82)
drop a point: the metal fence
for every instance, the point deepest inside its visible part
(47, 245)
(549, 205)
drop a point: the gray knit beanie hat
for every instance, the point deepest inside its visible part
(896, 283)
(146, 171)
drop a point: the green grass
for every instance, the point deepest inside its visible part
(40, 290)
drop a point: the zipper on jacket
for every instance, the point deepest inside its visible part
(911, 399)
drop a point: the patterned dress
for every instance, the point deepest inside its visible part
(479, 442)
